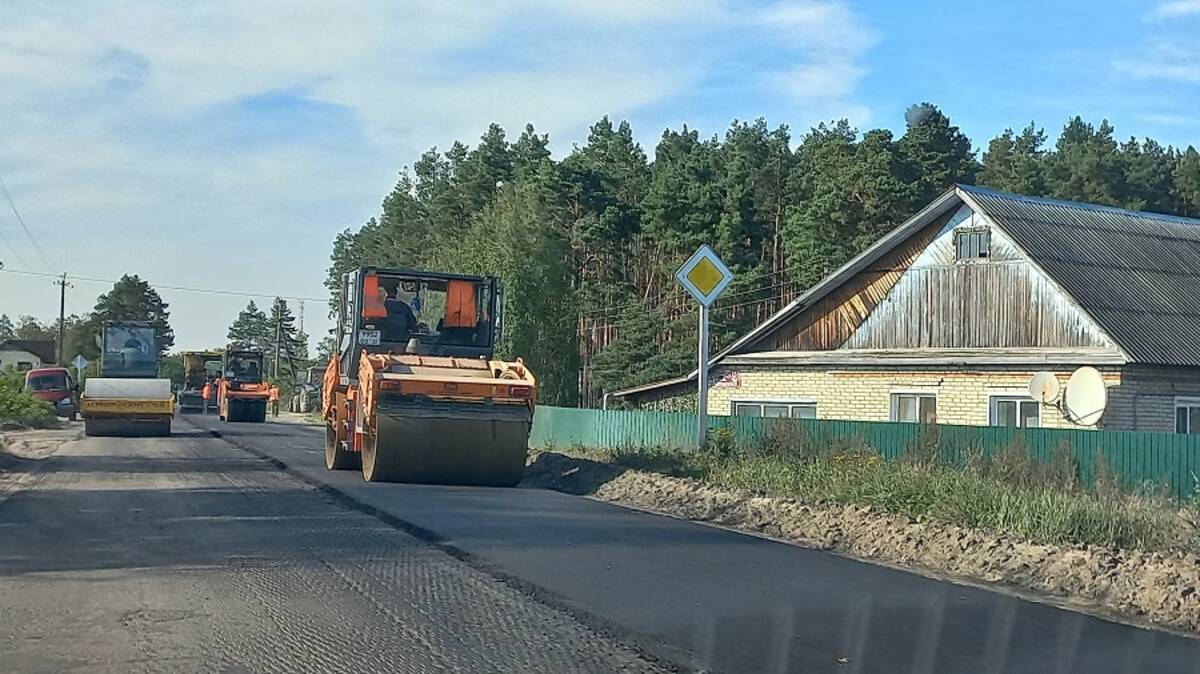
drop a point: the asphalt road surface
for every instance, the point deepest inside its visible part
(184, 554)
(189, 554)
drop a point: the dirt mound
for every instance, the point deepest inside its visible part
(1157, 587)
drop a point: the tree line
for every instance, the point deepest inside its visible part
(133, 299)
(130, 299)
(587, 246)
(276, 333)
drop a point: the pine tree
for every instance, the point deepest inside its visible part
(937, 153)
(1185, 192)
(6, 327)
(530, 152)
(251, 329)
(1087, 165)
(815, 232)
(1148, 175)
(486, 168)
(29, 327)
(1016, 163)
(132, 299)
(282, 322)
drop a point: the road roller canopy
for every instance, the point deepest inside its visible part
(417, 312)
(129, 349)
(200, 366)
(244, 365)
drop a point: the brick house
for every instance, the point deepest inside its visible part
(947, 317)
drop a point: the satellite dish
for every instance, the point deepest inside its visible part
(1044, 387)
(1086, 396)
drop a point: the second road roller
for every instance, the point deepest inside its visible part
(413, 392)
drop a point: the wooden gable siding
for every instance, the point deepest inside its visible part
(917, 296)
(1003, 301)
(830, 322)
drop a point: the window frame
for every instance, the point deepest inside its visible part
(1185, 402)
(1019, 397)
(982, 238)
(762, 403)
(918, 393)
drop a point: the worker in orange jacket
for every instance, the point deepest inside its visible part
(273, 396)
(206, 392)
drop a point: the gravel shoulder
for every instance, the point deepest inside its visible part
(22, 452)
(1148, 588)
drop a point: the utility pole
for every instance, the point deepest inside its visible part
(278, 330)
(62, 311)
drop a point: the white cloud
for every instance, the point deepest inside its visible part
(828, 27)
(828, 42)
(1167, 62)
(144, 137)
(1175, 9)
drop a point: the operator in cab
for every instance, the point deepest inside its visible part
(400, 321)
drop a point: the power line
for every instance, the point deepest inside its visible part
(4, 238)
(606, 312)
(161, 286)
(600, 311)
(29, 234)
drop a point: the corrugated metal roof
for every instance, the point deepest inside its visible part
(42, 348)
(1136, 274)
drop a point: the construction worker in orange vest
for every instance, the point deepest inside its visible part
(206, 392)
(273, 396)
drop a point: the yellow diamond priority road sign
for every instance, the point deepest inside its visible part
(704, 275)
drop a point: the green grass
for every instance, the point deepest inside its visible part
(17, 406)
(1008, 493)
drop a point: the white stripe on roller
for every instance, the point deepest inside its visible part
(140, 389)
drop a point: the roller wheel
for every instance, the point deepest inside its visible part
(89, 428)
(164, 429)
(337, 458)
(375, 466)
(260, 413)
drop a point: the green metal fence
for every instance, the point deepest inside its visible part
(1167, 460)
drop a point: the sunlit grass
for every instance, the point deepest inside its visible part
(1008, 493)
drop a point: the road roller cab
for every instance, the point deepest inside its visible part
(242, 391)
(413, 393)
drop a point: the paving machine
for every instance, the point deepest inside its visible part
(243, 392)
(199, 368)
(128, 398)
(413, 393)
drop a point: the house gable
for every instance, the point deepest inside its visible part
(830, 321)
(1001, 301)
(919, 296)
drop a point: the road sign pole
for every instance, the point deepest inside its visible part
(704, 276)
(702, 378)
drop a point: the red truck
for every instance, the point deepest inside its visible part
(56, 386)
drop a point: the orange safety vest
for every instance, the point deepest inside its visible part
(274, 394)
(207, 390)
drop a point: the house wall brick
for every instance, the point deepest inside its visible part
(963, 395)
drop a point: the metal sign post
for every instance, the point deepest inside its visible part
(704, 276)
(702, 380)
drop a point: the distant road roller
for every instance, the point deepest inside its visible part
(413, 393)
(199, 368)
(128, 398)
(242, 393)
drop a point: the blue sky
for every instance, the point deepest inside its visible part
(222, 145)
